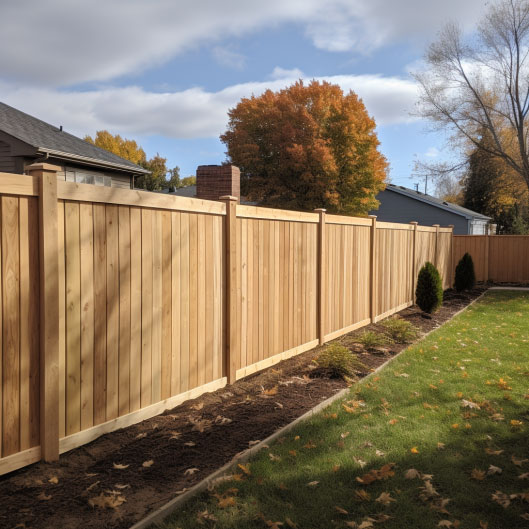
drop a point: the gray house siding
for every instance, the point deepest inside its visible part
(395, 207)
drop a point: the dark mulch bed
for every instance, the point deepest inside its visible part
(202, 434)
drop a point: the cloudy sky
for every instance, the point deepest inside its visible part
(165, 72)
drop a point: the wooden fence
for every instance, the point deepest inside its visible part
(497, 258)
(119, 304)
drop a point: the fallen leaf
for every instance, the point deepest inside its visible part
(179, 492)
(414, 450)
(290, 523)
(273, 457)
(385, 499)
(141, 435)
(518, 462)
(492, 452)
(344, 435)
(148, 463)
(493, 470)
(54, 480)
(379, 453)
(273, 525)
(245, 469)
(119, 466)
(335, 468)
(313, 483)
(366, 524)
(109, 499)
(445, 523)
(524, 476)
(501, 498)
(359, 462)
(412, 474)
(340, 510)
(174, 435)
(271, 391)
(253, 443)
(44, 497)
(121, 487)
(362, 495)
(190, 471)
(478, 475)
(228, 501)
(440, 446)
(190, 443)
(293, 453)
(470, 404)
(393, 421)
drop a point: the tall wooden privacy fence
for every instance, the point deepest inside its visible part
(498, 258)
(119, 304)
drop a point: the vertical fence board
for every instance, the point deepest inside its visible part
(166, 276)
(86, 229)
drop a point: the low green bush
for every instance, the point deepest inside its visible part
(465, 275)
(372, 340)
(399, 330)
(339, 361)
(429, 291)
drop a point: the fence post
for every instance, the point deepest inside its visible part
(374, 264)
(232, 334)
(436, 255)
(49, 309)
(322, 274)
(487, 255)
(452, 264)
(414, 261)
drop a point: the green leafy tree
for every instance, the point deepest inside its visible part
(307, 146)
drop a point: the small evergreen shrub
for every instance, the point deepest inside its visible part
(399, 330)
(465, 274)
(429, 292)
(339, 361)
(372, 340)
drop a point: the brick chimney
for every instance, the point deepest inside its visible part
(214, 181)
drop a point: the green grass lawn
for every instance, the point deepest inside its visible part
(438, 438)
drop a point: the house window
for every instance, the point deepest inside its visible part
(83, 176)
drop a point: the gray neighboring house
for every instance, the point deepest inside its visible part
(25, 140)
(400, 204)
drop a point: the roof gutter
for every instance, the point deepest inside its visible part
(92, 161)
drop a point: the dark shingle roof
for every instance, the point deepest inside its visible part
(47, 138)
(434, 201)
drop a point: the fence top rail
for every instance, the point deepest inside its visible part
(445, 230)
(18, 184)
(255, 212)
(350, 221)
(429, 229)
(395, 226)
(134, 197)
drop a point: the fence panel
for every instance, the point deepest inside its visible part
(444, 256)
(19, 339)
(347, 255)
(276, 287)
(142, 303)
(394, 268)
(509, 258)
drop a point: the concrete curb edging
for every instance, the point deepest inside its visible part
(168, 508)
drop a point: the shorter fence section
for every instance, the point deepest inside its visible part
(497, 258)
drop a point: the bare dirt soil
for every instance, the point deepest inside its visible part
(119, 478)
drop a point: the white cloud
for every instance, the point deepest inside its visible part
(283, 73)
(192, 113)
(432, 152)
(65, 42)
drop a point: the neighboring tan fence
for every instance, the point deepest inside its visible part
(497, 258)
(119, 304)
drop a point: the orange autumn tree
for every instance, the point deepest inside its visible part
(306, 147)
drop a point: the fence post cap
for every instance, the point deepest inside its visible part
(414, 222)
(229, 198)
(436, 225)
(371, 216)
(320, 210)
(43, 167)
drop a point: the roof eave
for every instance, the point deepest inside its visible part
(93, 161)
(440, 206)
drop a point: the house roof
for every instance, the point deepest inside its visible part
(51, 140)
(437, 202)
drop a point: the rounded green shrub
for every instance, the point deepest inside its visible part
(465, 275)
(338, 360)
(429, 292)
